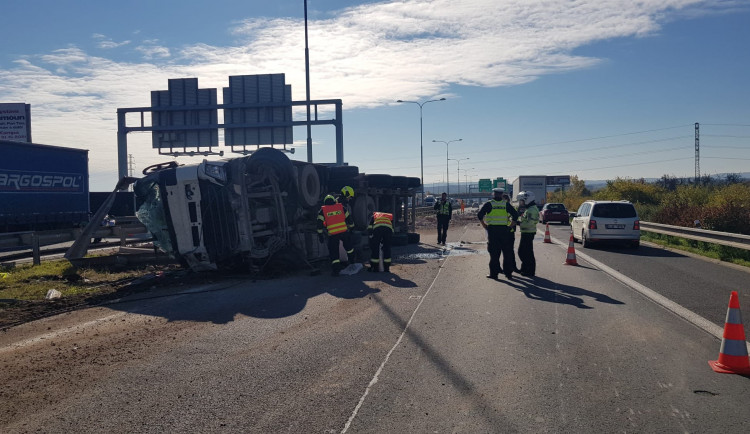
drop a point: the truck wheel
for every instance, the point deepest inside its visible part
(414, 182)
(400, 182)
(400, 239)
(379, 181)
(269, 158)
(363, 208)
(309, 185)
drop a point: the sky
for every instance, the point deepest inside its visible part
(598, 89)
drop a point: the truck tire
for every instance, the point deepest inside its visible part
(414, 182)
(309, 185)
(379, 181)
(363, 208)
(400, 182)
(400, 239)
(265, 158)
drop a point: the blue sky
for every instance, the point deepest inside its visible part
(598, 89)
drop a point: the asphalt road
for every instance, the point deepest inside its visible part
(432, 347)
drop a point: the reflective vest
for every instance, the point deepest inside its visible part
(382, 219)
(530, 219)
(498, 216)
(334, 218)
(443, 209)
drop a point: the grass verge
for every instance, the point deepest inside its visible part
(715, 251)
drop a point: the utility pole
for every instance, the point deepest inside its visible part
(697, 153)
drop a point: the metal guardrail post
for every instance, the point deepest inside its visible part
(35, 251)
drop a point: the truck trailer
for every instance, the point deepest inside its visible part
(240, 212)
(42, 187)
(534, 183)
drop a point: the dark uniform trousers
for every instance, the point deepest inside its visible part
(499, 241)
(442, 227)
(381, 235)
(333, 248)
(526, 253)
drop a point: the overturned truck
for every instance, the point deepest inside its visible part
(242, 211)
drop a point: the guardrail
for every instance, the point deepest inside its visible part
(128, 233)
(723, 238)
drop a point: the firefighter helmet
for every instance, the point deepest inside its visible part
(329, 200)
(347, 191)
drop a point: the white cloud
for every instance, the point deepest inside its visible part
(367, 55)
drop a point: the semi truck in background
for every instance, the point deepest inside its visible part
(534, 183)
(42, 187)
(242, 211)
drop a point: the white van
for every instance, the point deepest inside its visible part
(600, 220)
(429, 201)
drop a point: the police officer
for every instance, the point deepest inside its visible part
(444, 210)
(527, 222)
(334, 219)
(380, 231)
(495, 216)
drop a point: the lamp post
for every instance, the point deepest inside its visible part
(458, 171)
(421, 147)
(447, 179)
(466, 177)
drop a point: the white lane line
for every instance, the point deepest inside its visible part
(375, 378)
(659, 299)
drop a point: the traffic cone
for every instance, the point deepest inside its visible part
(571, 259)
(733, 357)
(546, 235)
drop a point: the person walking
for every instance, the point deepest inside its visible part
(463, 206)
(497, 216)
(380, 231)
(528, 221)
(444, 210)
(336, 221)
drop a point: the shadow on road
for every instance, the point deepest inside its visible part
(221, 301)
(539, 288)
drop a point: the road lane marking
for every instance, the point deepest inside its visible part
(682, 312)
(375, 378)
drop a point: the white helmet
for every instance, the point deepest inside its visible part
(526, 196)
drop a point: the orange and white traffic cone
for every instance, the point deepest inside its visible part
(733, 357)
(546, 235)
(571, 259)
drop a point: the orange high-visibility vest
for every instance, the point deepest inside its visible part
(334, 218)
(382, 219)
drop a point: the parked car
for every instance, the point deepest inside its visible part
(429, 201)
(554, 212)
(606, 220)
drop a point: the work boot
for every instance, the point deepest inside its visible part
(492, 276)
(386, 268)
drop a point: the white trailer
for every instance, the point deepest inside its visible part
(534, 183)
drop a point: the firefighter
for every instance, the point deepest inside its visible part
(528, 221)
(380, 231)
(495, 216)
(444, 210)
(334, 219)
(346, 198)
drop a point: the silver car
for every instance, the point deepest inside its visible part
(598, 220)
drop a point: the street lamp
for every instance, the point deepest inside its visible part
(466, 178)
(447, 181)
(458, 171)
(421, 148)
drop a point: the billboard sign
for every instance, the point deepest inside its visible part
(485, 185)
(15, 122)
(558, 180)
